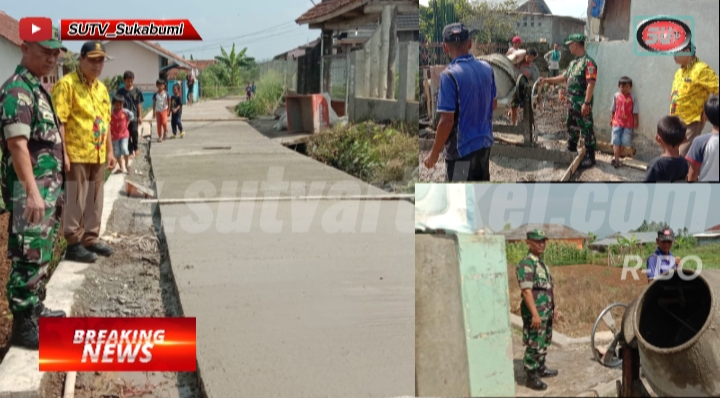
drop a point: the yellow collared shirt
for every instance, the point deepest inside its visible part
(85, 111)
(691, 88)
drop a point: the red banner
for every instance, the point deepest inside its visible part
(127, 29)
(117, 344)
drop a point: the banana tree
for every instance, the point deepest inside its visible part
(233, 62)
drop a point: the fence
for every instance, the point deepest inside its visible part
(286, 68)
(339, 72)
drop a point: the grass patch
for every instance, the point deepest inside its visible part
(270, 90)
(555, 253)
(374, 153)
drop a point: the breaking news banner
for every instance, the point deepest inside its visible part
(117, 344)
(663, 35)
(127, 29)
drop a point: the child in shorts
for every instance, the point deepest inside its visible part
(704, 154)
(624, 118)
(160, 109)
(670, 166)
(176, 109)
(119, 120)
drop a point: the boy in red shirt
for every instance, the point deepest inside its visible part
(624, 118)
(120, 134)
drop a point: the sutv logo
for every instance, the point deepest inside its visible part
(663, 35)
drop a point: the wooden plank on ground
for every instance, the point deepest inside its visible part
(635, 164)
(605, 147)
(574, 165)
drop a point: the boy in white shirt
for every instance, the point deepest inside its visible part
(160, 109)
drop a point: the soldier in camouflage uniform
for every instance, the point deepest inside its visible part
(537, 310)
(33, 177)
(580, 76)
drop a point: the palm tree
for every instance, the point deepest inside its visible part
(233, 62)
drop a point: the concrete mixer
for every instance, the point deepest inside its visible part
(509, 84)
(672, 332)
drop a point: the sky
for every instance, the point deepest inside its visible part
(608, 210)
(571, 8)
(271, 23)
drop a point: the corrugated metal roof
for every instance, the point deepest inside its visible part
(408, 21)
(552, 231)
(641, 237)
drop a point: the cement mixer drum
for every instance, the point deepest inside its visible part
(505, 74)
(677, 326)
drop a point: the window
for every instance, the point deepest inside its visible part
(532, 24)
(525, 24)
(539, 24)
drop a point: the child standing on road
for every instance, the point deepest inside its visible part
(160, 109)
(670, 166)
(704, 154)
(176, 109)
(624, 118)
(119, 121)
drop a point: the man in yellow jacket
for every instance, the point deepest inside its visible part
(82, 104)
(693, 85)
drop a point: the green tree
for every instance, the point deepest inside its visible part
(491, 22)
(234, 62)
(593, 237)
(507, 227)
(652, 226)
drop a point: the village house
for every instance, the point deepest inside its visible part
(535, 23)
(149, 62)
(640, 238)
(712, 235)
(652, 75)
(11, 53)
(555, 233)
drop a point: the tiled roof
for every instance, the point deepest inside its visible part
(714, 229)
(325, 8)
(199, 64)
(535, 6)
(408, 21)
(9, 29)
(552, 231)
(168, 53)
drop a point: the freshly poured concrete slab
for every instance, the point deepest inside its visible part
(290, 306)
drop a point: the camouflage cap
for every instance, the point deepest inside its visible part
(536, 234)
(54, 43)
(575, 38)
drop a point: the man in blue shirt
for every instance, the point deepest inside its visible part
(466, 101)
(662, 260)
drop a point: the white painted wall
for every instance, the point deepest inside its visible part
(10, 56)
(652, 76)
(131, 56)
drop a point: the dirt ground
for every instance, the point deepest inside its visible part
(581, 293)
(135, 282)
(578, 372)
(550, 133)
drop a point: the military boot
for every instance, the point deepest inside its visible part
(533, 381)
(79, 253)
(589, 160)
(41, 311)
(572, 147)
(545, 372)
(26, 332)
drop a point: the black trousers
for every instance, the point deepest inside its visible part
(176, 123)
(133, 141)
(472, 167)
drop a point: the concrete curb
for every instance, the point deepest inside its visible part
(19, 374)
(562, 341)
